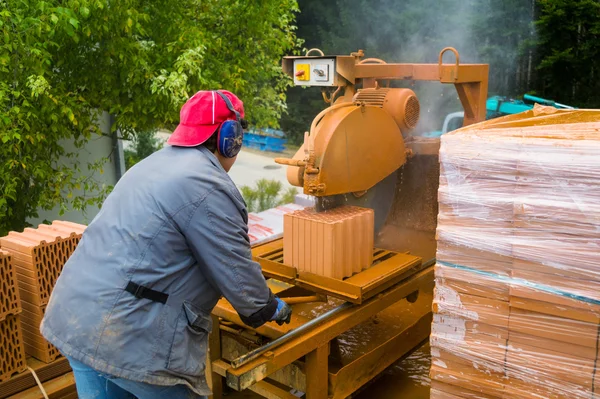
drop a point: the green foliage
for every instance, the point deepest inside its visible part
(569, 50)
(143, 145)
(62, 62)
(266, 195)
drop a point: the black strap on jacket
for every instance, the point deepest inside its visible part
(139, 291)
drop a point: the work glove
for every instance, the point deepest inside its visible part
(283, 314)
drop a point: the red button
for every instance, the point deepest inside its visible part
(300, 73)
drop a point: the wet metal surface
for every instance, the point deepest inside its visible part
(406, 379)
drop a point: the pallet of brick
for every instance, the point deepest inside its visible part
(62, 387)
(35, 344)
(38, 256)
(519, 249)
(9, 293)
(335, 243)
(25, 380)
(12, 353)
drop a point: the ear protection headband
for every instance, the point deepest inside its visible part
(231, 132)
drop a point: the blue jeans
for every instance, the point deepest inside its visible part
(92, 384)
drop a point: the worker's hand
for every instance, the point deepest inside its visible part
(283, 314)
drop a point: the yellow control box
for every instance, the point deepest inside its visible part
(302, 72)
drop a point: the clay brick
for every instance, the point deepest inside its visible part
(467, 282)
(450, 302)
(335, 243)
(553, 328)
(12, 354)
(484, 353)
(440, 390)
(539, 386)
(524, 360)
(35, 344)
(38, 256)
(562, 311)
(474, 258)
(467, 377)
(10, 303)
(576, 287)
(571, 348)
(457, 328)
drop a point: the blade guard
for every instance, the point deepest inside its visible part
(350, 149)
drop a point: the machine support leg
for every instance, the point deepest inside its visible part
(214, 344)
(317, 373)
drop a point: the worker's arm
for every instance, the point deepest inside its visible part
(217, 233)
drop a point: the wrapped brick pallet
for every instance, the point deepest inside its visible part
(517, 300)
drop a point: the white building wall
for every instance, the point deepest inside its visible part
(98, 147)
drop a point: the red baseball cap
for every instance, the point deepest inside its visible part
(201, 115)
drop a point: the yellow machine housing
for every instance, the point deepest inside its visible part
(355, 144)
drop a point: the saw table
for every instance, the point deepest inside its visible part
(388, 316)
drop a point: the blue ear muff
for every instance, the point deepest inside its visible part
(231, 133)
(229, 141)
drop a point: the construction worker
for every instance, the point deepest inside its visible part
(131, 309)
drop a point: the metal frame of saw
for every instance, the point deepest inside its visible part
(470, 80)
(303, 362)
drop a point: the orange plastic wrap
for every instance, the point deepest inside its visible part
(517, 298)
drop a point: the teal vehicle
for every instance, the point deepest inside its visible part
(497, 106)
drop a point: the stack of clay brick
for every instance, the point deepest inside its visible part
(335, 243)
(517, 300)
(12, 355)
(38, 256)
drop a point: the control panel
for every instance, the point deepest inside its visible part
(314, 71)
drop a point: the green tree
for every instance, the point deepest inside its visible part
(569, 51)
(143, 145)
(63, 62)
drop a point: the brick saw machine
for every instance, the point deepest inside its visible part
(359, 152)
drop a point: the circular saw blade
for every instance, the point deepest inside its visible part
(380, 198)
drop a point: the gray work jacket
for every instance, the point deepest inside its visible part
(175, 223)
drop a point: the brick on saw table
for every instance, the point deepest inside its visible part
(334, 243)
(12, 353)
(10, 303)
(39, 256)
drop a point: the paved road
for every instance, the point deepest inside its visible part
(250, 167)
